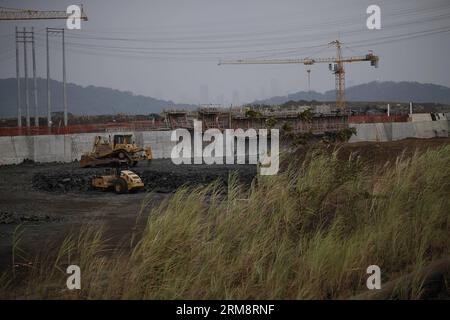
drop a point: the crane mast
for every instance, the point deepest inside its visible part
(339, 76)
(336, 65)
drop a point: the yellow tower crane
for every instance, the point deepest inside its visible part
(336, 65)
(32, 14)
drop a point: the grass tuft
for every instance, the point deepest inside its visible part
(309, 232)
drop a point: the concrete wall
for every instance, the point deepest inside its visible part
(67, 148)
(400, 130)
(420, 117)
(159, 141)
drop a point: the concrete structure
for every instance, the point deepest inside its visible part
(400, 130)
(417, 117)
(67, 148)
(222, 118)
(324, 109)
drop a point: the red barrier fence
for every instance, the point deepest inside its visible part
(378, 118)
(152, 125)
(86, 128)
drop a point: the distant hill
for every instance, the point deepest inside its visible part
(92, 100)
(89, 100)
(375, 91)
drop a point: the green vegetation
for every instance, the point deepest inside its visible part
(286, 129)
(342, 135)
(270, 122)
(301, 138)
(252, 114)
(306, 115)
(308, 232)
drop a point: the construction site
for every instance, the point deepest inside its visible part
(354, 189)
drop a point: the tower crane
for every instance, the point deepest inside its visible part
(31, 14)
(336, 66)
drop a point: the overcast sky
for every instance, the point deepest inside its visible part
(170, 49)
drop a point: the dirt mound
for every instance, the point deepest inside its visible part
(58, 180)
(374, 153)
(170, 181)
(79, 180)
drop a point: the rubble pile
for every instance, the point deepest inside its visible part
(155, 180)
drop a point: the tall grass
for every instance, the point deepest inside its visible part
(309, 232)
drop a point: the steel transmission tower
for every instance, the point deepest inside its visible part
(56, 31)
(26, 37)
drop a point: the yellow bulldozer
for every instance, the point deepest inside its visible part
(121, 148)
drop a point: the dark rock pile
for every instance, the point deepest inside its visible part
(16, 218)
(62, 182)
(170, 181)
(157, 181)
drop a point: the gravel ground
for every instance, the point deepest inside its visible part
(49, 200)
(158, 176)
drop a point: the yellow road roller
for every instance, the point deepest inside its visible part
(121, 181)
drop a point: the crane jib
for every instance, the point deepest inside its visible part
(336, 65)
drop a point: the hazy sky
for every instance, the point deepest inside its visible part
(169, 49)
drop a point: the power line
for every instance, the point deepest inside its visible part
(262, 41)
(230, 49)
(183, 57)
(189, 51)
